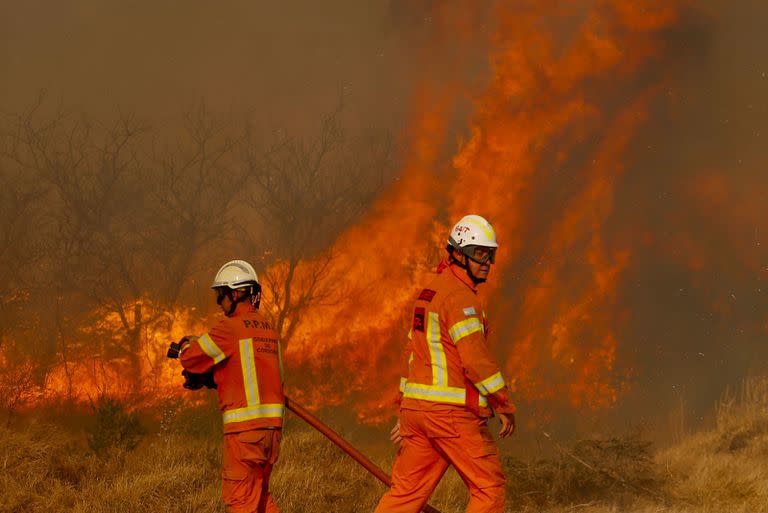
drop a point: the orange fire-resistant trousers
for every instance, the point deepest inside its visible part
(248, 460)
(432, 441)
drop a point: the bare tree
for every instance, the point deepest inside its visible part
(90, 174)
(195, 184)
(115, 222)
(130, 215)
(24, 357)
(20, 246)
(307, 191)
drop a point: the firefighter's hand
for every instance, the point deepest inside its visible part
(507, 424)
(394, 435)
(192, 381)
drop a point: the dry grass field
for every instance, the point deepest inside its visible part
(46, 468)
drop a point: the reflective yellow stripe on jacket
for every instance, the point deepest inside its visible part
(260, 411)
(210, 348)
(250, 380)
(492, 384)
(254, 410)
(436, 352)
(439, 391)
(450, 395)
(465, 328)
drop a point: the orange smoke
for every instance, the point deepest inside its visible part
(739, 214)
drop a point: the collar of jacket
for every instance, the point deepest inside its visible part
(462, 276)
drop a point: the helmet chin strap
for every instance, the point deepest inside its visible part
(255, 299)
(465, 266)
(475, 279)
(232, 304)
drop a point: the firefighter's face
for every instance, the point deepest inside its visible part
(479, 270)
(480, 254)
(222, 299)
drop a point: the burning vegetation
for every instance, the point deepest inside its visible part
(602, 139)
(620, 275)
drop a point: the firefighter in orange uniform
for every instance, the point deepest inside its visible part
(243, 354)
(453, 385)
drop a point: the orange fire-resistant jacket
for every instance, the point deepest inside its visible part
(447, 361)
(244, 352)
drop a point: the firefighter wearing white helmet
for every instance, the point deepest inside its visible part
(237, 281)
(241, 357)
(473, 239)
(451, 384)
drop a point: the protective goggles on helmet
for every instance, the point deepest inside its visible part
(221, 293)
(480, 254)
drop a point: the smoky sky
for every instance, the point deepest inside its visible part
(286, 61)
(693, 202)
(694, 205)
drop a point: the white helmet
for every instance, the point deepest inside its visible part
(473, 230)
(235, 274)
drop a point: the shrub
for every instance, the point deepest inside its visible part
(114, 428)
(618, 470)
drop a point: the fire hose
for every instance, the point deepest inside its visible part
(345, 446)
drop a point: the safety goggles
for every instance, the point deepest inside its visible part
(220, 295)
(480, 254)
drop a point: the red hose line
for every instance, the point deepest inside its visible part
(345, 446)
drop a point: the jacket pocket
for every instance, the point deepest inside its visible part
(475, 435)
(440, 425)
(259, 446)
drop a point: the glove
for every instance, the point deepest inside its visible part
(194, 381)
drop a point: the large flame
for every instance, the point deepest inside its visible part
(547, 142)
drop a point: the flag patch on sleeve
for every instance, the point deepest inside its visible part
(427, 295)
(470, 310)
(418, 319)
